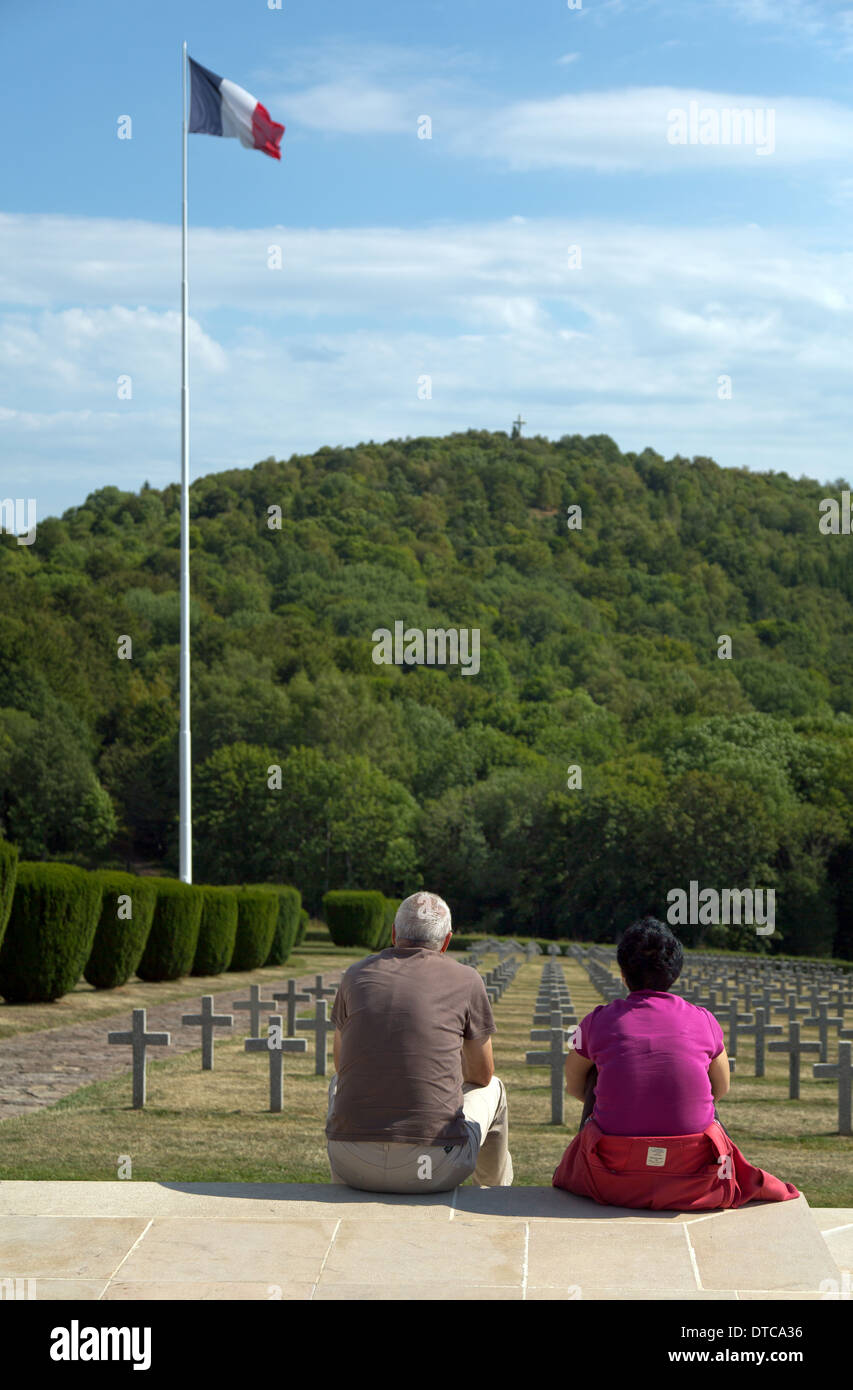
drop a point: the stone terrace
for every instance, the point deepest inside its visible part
(143, 1240)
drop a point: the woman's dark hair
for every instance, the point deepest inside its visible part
(650, 955)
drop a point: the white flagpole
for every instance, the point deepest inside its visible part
(185, 826)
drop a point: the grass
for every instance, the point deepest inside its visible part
(215, 1127)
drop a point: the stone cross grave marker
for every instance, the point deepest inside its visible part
(276, 1046)
(292, 996)
(552, 984)
(207, 1020)
(319, 990)
(843, 1070)
(770, 1002)
(732, 1019)
(255, 1006)
(762, 1031)
(795, 1047)
(822, 1022)
(793, 1009)
(554, 1058)
(139, 1040)
(547, 988)
(544, 1011)
(321, 1026)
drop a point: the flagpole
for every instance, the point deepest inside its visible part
(185, 823)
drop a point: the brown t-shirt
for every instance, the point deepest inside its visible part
(403, 1015)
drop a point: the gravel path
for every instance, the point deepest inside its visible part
(39, 1068)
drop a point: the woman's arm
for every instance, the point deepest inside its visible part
(719, 1075)
(576, 1070)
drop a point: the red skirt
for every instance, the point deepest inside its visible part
(688, 1172)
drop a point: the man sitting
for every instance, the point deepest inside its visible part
(650, 1136)
(414, 1105)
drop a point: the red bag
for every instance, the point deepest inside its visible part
(688, 1172)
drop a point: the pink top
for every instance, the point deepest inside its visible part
(652, 1051)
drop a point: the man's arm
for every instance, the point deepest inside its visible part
(478, 1064)
(336, 1048)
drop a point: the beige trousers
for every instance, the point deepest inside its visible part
(375, 1167)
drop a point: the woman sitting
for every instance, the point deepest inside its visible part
(650, 1136)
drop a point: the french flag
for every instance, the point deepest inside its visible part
(220, 107)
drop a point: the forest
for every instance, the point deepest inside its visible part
(611, 746)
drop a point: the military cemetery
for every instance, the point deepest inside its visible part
(539, 992)
(426, 694)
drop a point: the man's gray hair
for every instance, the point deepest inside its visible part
(424, 918)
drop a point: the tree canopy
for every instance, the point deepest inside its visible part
(599, 650)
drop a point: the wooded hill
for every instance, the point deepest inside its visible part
(598, 650)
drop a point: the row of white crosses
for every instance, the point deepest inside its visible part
(766, 987)
(275, 1044)
(501, 946)
(825, 986)
(554, 1009)
(499, 979)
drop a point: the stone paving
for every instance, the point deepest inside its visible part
(39, 1068)
(142, 1240)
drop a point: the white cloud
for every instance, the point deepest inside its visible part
(347, 88)
(85, 350)
(352, 107)
(630, 345)
(720, 327)
(629, 128)
(611, 131)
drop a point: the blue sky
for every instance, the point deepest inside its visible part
(447, 258)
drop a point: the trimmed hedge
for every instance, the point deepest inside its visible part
(52, 924)
(304, 921)
(217, 931)
(8, 874)
(120, 941)
(391, 905)
(171, 946)
(257, 914)
(354, 918)
(284, 936)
